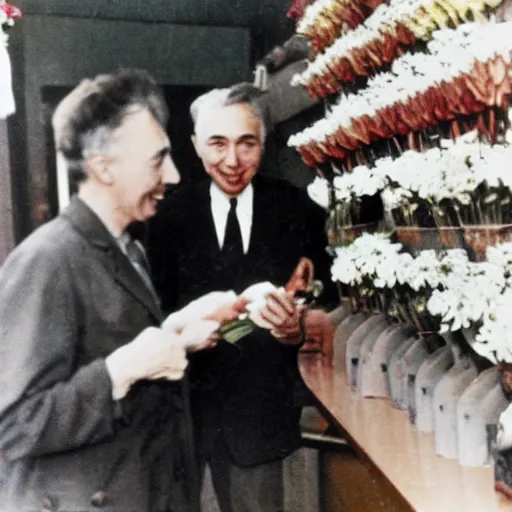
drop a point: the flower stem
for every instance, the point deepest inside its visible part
(492, 125)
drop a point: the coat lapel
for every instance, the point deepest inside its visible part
(206, 219)
(126, 275)
(117, 263)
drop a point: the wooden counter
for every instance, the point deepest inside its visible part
(406, 458)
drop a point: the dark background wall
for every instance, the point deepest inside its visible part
(188, 45)
(266, 19)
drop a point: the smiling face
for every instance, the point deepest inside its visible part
(229, 142)
(139, 165)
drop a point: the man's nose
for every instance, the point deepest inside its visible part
(231, 159)
(171, 175)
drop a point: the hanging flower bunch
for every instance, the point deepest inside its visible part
(385, 35)
(493, 339)
(457, 302)
(367, 267)
(465, 182)
(420, 272)
(424, 275)
(372, 259)
(8, 15)
(372, 266)
(362, 181)
(441, 291)
(445, 289)
(348, 190)
(325, 20)
(477, 297)
(318, 191)
(296, 11)
(466, 70)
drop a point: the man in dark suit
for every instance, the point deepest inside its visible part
(88, 415)
(229, 232)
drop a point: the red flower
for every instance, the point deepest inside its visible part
(297, 9)
(12, 12)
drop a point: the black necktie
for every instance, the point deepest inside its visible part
(233, 248)
(137, 256)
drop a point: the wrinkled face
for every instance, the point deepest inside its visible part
(228, 141)
(139, 165)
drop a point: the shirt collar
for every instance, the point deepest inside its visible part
(123, 240)
(221, 199)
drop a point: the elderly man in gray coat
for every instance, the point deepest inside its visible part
(88, 409)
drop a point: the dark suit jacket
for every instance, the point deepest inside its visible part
(247, 390)
(68, 298)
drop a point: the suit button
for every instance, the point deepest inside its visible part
(99, 499)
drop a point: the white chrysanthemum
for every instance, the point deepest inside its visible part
(494, 338)
(7, 105)
(501, 256)
(318, 191)
(344, 269)
(382, 20)
(468, 292)
(4, 19)
(452, 52)
(453, 172)
(362, 181)
(370, 257)
(311, 14)
(422, 271)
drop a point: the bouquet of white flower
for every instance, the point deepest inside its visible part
(369, 268)
(319, 192)
(477, 296)
(464, 72)
(380, 39)
(8, 15)
(493, 339)
(325, 20)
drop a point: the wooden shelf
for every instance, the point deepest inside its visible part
(391, 444)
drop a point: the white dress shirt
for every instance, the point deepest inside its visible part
(220, 209)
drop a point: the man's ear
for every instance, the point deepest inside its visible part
(97, 167)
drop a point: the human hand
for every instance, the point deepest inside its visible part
(200, 335)
(204, 307)
(281, 316)
(219, 307)
(154, 354)
(229, 311)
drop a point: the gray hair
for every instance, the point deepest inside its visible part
(243, 93)
(85, 119)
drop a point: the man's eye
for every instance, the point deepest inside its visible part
(217, 143)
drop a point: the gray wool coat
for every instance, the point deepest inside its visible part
(68, 298)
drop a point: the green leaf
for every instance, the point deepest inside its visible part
(235, 331)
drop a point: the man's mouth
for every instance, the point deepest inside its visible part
(233, 178)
